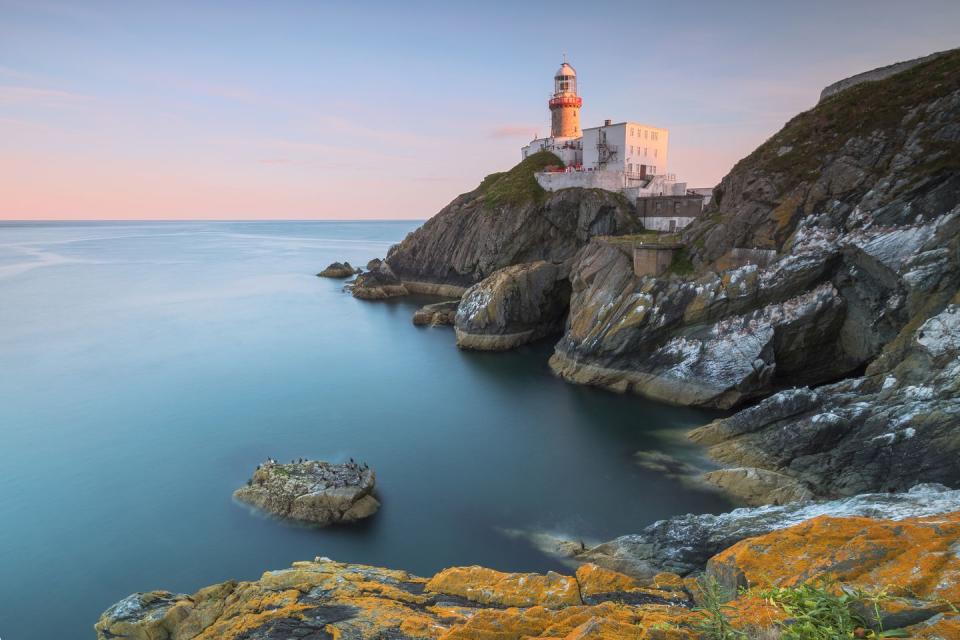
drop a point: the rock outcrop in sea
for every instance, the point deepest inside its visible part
(379, 284)
(907, 571)
(437, 314)
(338, 270)
(312, 491)
(513, 306)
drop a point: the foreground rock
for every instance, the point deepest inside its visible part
(324, 599)
(514, 306)
(852, 210)
(315, 492)
(437, 314)
(508, 220)
(338, 270)
(683, 544)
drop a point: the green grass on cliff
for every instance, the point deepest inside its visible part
(798, 149)
(517, 186)
(815, 612)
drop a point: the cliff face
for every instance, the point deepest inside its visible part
(507, 220)
(858, 198)
(913, 559)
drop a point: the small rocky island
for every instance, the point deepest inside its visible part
(338, 270)
(312, 491)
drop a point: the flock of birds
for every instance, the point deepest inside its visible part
(330, 474)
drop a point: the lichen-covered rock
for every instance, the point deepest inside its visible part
(324, 599)
(509, 219)
(914, 559)
(437, 314)
(513, 306)
(886, 430)
(316, 492)
(683, 544)
(338, 270)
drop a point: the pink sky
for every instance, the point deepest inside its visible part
(297, 110)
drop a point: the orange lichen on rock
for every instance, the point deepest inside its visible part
(912, 558)
(486, 586)
(597, 582)
(945, 626)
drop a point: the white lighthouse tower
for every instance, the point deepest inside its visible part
(565, 104)
(565, 133)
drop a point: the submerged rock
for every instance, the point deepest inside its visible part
(436, 314)
(513, 306)
(757, 487)
(338, 270)
(914, 558)
(316, 492)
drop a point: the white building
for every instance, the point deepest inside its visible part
(627, 157)
(638, 150)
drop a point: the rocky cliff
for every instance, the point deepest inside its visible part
(906, 574)
(858, 198)
(509, 219)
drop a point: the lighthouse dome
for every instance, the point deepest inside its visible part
(566, 70)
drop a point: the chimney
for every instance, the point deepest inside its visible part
(607, 123)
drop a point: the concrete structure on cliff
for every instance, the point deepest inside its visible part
(626, 157)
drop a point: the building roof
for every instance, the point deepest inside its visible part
(565, 70)
(627, 122)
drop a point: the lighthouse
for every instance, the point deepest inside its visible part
(565, 104)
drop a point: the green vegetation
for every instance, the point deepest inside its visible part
(681, 264)
(715, 625)
(823, 612)
(517, 186)
(799, 148)
(816, 612)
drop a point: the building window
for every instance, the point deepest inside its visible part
(645, 133)
(654, 153)
(645, 150)
(630, 167)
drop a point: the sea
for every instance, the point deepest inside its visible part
(146, 368)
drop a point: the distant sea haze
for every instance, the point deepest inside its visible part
(148, 367)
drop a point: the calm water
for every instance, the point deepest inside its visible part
(146, 368)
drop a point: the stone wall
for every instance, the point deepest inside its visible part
(651, 260)
(554, 181)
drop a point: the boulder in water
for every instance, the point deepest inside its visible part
(312, 491)
(338, 270)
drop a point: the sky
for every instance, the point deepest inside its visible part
(326, 110)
